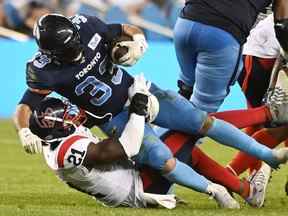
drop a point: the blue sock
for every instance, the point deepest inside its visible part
(229, 135)
(184, 175)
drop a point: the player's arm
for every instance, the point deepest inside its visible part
(29, 101)
(128, 144)
(132, 31)
(113, 149)
(131, 138)
(80, 150)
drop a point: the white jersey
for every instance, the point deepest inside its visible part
(262, 41)
(118, 184)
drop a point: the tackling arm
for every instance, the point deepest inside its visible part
(29, 101)
(129, 143)
(131, 138)
(113, 149)
(21, 117)
(31, 98)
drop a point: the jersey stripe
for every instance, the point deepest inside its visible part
(248, 63)
(64, 148)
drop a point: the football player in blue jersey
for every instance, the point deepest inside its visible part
(208, 40)
(74, 60)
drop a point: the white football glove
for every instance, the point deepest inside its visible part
(136, 50)
(142, 86)
(32, 144)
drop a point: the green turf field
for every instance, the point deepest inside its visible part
(27, 187)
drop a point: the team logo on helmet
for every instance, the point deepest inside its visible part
(46, 119)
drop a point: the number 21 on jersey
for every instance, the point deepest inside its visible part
(76, 157)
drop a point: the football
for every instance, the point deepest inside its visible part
(119, 51)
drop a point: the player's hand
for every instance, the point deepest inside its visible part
(141, 86)
(136, 49)
(141, 40)
(32, 144)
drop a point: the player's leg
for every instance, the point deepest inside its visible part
(253, 191)
(158, 156)
(218, 62)
(271, 137)
(182, 148)
(186, 52)
(254, 81)
(177, 113)
(181, 145)
(245, 118)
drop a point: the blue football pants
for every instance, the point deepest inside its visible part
(210, 62)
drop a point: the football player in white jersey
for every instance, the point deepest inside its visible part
(259, 55)
(100, 168)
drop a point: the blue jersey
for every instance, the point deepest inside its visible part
(234, 16)
(95, 84)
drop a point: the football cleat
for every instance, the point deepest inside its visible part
(258, 185)
(277, 102)
(222, 197)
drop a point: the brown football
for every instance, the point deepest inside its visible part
(118, 51)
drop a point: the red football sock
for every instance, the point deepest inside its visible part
(251, 130)
(245, 118)
(242, 161)
(217, 173)
(267, 139)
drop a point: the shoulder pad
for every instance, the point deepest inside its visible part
(40, 60)
(36, 77)
(78, 19)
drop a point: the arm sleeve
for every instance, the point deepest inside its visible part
(132, 135)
